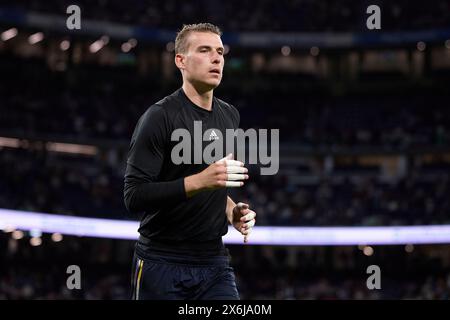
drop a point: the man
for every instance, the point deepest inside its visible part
(180, 253)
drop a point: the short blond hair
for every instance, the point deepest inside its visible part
(181, 44)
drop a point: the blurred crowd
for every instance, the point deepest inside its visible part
(90, 102)
(93, 186)
(45, 182)
(101, 105)
(335, 201)
(247, 15)
(29, 272)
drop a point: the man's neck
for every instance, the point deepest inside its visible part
(202, 99)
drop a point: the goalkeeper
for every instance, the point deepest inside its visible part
(185, 207)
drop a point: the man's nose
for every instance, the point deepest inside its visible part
(216, 58)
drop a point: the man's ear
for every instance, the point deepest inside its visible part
(179, 61)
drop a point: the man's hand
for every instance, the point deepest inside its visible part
(244, 219)
(220, 174)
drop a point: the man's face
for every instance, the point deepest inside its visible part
(203, 60)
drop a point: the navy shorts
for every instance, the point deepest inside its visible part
(174, 277)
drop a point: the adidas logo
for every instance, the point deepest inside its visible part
(213, 136)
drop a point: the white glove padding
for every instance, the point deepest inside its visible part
(231, 163)
(235, 171)
(234, 176)
(233, 184)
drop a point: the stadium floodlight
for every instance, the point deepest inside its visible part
(64, 45)
(17, 235)
(36, 241)
(126, 47)
(71, 148)
(314, 51)
(310, 236)
(285, 50)
(133, 42)
(35, 38)
(9, 142)
(421, 46)
(104, 40)
(9, 34)
(57, 237)
(96, 46)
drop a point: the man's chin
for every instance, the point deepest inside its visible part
(205, 84)
(210, 85)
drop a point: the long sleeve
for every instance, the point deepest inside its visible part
(142, 190)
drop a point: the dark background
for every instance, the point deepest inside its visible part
(364, 133)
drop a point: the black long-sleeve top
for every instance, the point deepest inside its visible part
(154, 184)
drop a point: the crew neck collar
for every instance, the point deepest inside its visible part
(195, 106)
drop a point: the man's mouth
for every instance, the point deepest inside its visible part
(216, 71)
